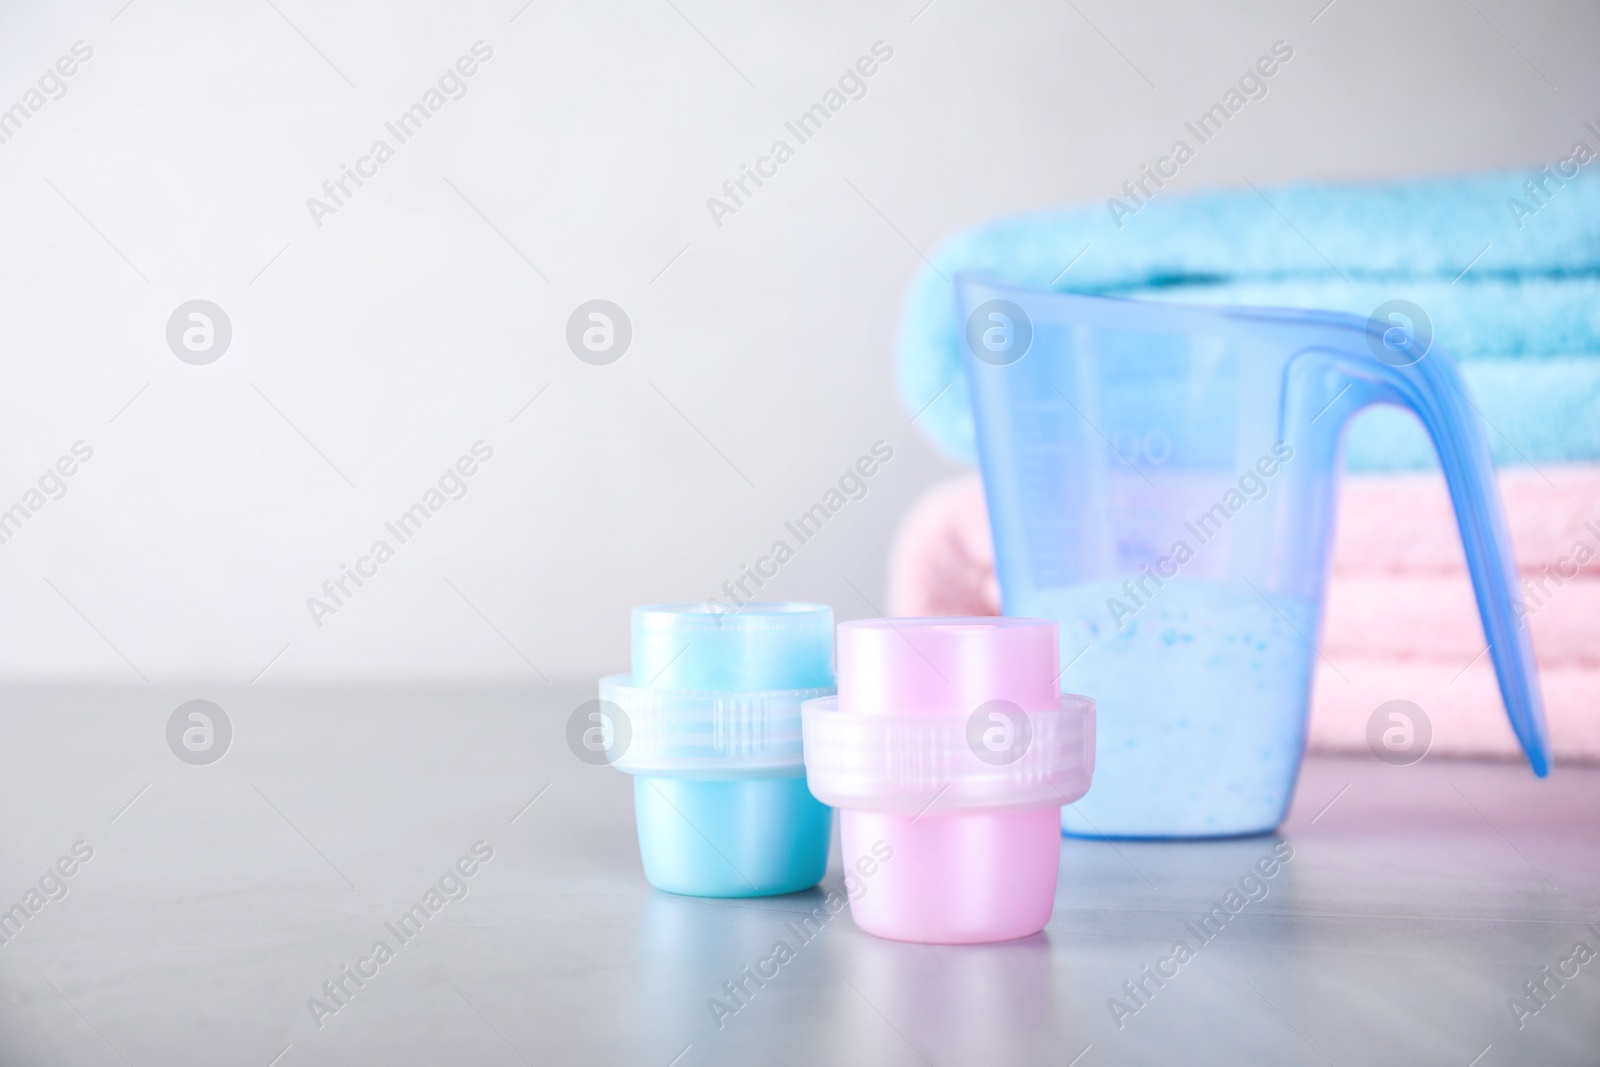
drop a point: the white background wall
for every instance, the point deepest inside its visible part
(369, 353)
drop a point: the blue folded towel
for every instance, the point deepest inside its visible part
(1506, 266)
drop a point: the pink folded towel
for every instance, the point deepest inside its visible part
(1401, 616)
(943, 558)
(1400, 620)
(1462, 705)
(1404, 521)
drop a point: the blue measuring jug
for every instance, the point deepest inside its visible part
(1162, 481)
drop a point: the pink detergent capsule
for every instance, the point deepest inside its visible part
(950, 747)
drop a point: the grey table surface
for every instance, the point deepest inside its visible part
(219, 898)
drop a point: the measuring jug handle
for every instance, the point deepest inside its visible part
(1426, 382)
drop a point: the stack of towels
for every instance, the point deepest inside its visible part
(1507, 268)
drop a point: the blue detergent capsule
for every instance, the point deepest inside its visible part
(711, 711)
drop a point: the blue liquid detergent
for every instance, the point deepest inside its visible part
(1201, 705)
(747, 838)
(720, 793)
